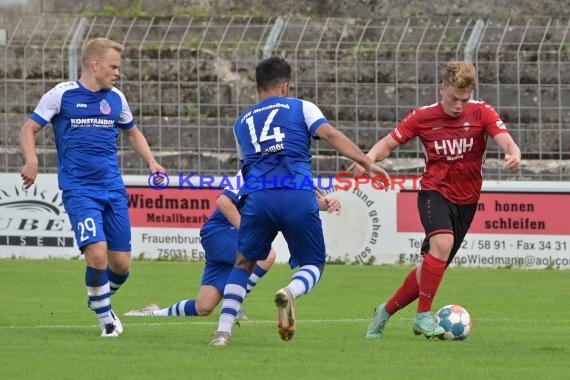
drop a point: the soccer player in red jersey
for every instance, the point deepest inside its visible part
(453, 133)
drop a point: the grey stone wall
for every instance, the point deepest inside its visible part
(316, 8)
(186, 100)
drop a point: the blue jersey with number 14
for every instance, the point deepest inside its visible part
(274, 143)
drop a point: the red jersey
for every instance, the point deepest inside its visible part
(454, 148)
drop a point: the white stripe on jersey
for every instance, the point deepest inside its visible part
(311, 113)
(234, 186)
(126, 115)
(238, 146)
(50, 103)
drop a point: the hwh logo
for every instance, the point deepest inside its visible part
(455, 146)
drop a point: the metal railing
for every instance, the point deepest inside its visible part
(187, 78)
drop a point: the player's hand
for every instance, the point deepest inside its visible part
(158, 173)
(29, 173)
(155, 167)
(375, 170)
(333, 206)
(356, 169)
(513, 163)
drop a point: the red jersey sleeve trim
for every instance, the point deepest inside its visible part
(437, 232)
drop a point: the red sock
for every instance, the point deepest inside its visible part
(431, 275)
(404, 296)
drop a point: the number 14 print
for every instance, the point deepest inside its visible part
(277, 135)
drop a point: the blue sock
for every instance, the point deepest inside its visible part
(304, 280)
(99, 293)
(185, 308)
(234, 294)
(258, 272)
(116, 280)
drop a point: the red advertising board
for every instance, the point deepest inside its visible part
(171, 207)
(501, 213)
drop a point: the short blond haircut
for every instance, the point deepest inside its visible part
(459, 74)
(97, 48)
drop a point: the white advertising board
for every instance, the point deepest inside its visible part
(518, 224)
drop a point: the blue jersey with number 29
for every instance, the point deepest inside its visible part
(274, 143)
(86, 126)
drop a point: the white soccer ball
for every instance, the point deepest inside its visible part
(455, 320)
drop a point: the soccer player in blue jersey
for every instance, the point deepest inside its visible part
(219, 237)
(86, 116)
(273, 139)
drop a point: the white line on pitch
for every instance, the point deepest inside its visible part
(182, 321)
(195, 321)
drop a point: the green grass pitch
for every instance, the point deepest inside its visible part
(521, 327)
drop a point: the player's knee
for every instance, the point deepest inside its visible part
(270, 260)
(119, 262)
(441, 244)
(204, 311)
(242, 262)
(119, 268)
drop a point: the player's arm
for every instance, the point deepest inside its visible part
(381, 150)
(511, 150)
(27, 139)
(228, 208)
(347, 148)
(140, 145)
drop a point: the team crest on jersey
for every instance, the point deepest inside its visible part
(105, 107)
(466, 126)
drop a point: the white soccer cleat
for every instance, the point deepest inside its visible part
(147, 311)
(117, 322)
(110, 331)
(286, 320)
(221, 339)
(241, 315)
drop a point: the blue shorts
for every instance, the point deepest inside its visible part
(220, 252)
(293, 212)
(99, 215)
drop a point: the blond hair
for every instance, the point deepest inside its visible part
(97, 48)
(459, 74)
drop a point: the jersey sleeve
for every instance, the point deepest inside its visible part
(492, 121)
(314, 118)
(239, 149)
(407, 128)
(48, 107)
(231, 191)
(126, 120)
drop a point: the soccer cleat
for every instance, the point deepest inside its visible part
(221, 339)
(241, 315)
(147, 311)
(117, 323)
(425, 324)
(286, 322)
(110, 331)
(376, 327)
